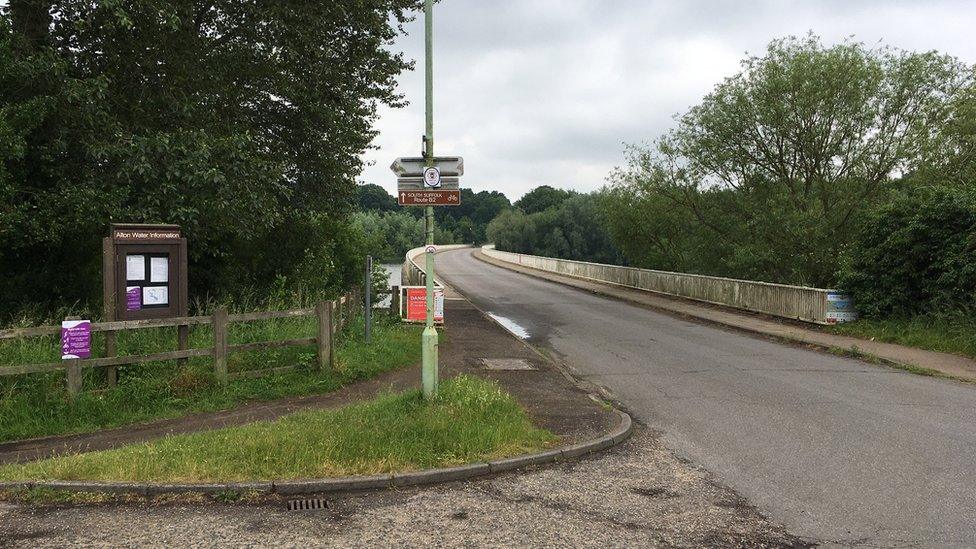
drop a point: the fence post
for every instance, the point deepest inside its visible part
(367, 298)
(182, 342)
(339, 311)
(352, 305)
(108, 307)
(332, 338)
(111, 372)
(324, 313)
(220, 344)
(395, 301)
(74, 377)
(352, 299)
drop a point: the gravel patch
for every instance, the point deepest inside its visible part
(638, 494)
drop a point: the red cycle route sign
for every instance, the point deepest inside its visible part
(429, 198)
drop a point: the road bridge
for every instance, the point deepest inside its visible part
(837, 449)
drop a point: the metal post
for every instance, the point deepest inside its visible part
(430, 333)
(367, 295)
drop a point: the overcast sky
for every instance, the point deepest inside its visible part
(534, 92)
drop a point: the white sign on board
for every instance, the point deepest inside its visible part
(135, 267)
(155, 295)
(159, 269)
(432, 177)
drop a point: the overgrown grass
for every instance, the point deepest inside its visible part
(472, 419)
(38, 404)
(949, 334)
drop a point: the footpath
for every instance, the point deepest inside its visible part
(918, 360)
(469, 339)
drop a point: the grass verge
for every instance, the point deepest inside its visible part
(38, 405)
(948, 334)
(471, 420)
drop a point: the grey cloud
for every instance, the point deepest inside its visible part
(547, 91)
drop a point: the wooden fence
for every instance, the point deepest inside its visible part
(332, 316)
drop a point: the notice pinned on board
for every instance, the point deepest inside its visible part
(135, 267)
(155, 295)
(75, 339)
(159, 269)
(133, 298)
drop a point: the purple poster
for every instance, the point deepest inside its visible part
(75, 339)
(133, 296)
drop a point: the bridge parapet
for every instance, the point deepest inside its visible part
(817, 305)
(413, 274)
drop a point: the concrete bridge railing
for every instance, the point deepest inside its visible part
(821, 306)
(413, 271)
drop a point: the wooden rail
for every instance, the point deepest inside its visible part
(331, 315)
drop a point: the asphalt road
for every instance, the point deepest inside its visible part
(838, 450)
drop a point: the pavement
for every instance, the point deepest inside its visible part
(637, 494)
(840, 451)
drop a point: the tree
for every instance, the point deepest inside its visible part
(574, 229)
(513, 231)
(779, 160)
(375, 198)
(583, 223)
(388, 235)
(915, 254)
(950, 157)
(542, 198)
(244, 122)
(478, 208)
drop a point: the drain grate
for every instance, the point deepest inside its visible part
(507, 364)
(307, 504)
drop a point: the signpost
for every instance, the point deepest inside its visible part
(429, 181)
(421, 185)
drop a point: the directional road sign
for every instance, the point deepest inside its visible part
(449, 166)
(420, 184)
(439, 197)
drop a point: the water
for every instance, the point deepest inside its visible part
(393, 273)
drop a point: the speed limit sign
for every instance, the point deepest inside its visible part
(432, 177)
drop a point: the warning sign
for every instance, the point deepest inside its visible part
(413, 304)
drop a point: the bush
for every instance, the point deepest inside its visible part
(915, 255)
(574, 228)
